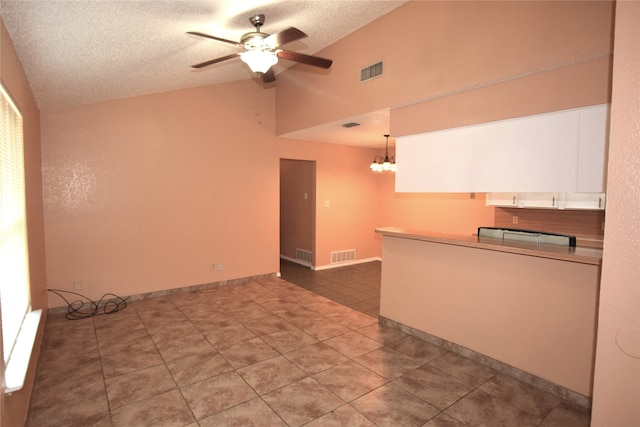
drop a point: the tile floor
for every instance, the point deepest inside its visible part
(270, 353)
(356, 286)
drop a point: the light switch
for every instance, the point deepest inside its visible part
(327, 203)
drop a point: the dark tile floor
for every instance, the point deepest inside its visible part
(270, 353)
(356, 286)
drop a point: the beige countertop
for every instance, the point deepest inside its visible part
(583, 255)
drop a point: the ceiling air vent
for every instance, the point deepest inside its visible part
(371, 71)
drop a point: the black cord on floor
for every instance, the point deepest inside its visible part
(75, 309)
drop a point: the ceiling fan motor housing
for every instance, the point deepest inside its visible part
(257, 20)
(255, 39)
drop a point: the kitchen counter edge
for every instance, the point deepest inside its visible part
(580, 255)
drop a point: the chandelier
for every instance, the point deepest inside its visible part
(384, 164)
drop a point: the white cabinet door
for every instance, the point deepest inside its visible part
(529, 154)
(561, 152)
(593, 201)
(439, 161)
(592, 158)
(509, 200)
(540, 200)
(587, 201)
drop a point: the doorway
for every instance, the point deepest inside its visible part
(298, 211)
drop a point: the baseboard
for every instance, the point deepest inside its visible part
(296, 261)
(175, 291)
(537, 382)
(344, 264)
(329, 266)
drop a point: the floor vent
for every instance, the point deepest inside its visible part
(343, 256)
(371, 71)
(304, 255)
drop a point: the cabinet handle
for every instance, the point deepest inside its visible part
(514, 200)
(599, 202)
(553, 202)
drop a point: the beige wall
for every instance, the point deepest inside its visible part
(453, 213)
(143, 194)
(617, 374)
(14, 407)
(454, 63)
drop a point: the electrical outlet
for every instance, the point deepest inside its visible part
(77, 286)
(219, 267)
(515, 219)
(213, 267)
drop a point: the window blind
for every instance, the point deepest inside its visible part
(14, 261)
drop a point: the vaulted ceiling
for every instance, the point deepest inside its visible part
(80, 52)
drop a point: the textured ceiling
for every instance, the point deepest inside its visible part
(369, 132)
(81, 52)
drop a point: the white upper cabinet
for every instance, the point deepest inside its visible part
(590, 201)
(435, 162)
(560, 152)
(537, 153)
(593, 201)
(507, 200)
(540, 200)
(592, 152)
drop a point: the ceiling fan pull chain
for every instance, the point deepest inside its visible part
(258, 104)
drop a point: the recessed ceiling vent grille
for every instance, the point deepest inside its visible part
(350, 124)
(371, 71)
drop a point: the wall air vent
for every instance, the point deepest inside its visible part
(371, 71)
(304, 255)
(338, 257)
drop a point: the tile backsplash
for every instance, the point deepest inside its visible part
(584, 224)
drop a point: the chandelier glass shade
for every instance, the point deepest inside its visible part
(384, 163)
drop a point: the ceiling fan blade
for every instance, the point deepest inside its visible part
(287, 36)
(269, 76)
(305, 59)
(195, 33)
(215, 61)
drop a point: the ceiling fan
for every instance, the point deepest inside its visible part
(262, 50)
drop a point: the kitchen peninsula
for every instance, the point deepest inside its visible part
(521, 305)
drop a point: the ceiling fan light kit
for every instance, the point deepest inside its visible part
(259, 60)
(261, 50)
